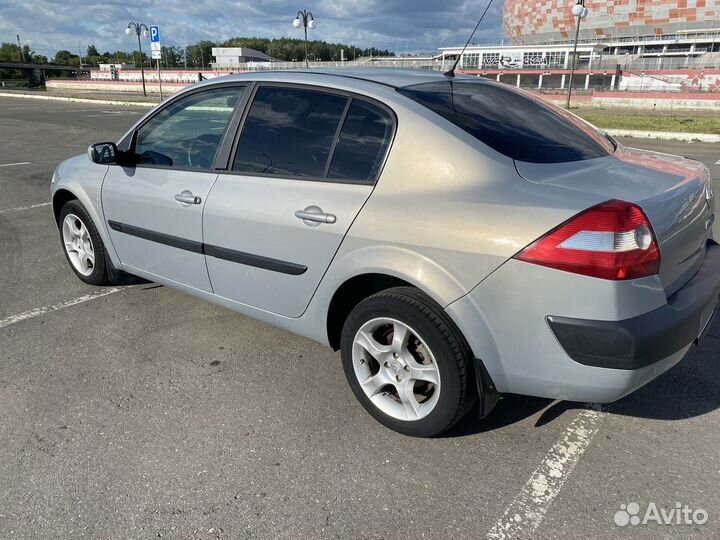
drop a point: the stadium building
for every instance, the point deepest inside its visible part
(623, 45)
(531, 22)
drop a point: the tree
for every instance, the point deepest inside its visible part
(119, 57)
(27, 54)
(172, 56)
(200, 54)
(259, 44)
(287, 49)
(9, 52)
(66, 58)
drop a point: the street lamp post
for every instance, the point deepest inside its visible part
(579, 11)
(139, 28)
(22, 52)
(306, 20)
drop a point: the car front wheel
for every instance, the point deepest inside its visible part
(407, 363)
(84, 249)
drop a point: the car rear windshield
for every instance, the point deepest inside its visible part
(512, 122)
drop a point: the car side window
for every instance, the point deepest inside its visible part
(363, 143)
(289, 132)
(187, 133)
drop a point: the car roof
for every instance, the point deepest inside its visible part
(393, 77)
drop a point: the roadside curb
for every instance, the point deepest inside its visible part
(80, 100)
(664, 135)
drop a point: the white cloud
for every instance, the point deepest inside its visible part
(399, 25)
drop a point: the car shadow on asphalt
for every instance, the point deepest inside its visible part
(689, 389)
(509, 410)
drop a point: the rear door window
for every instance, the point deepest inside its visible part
(289, 132)
(363, 143)
(511, 122)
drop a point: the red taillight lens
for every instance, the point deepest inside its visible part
(613, 240)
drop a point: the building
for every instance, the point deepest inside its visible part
(656, 45)
(530, 22)
(613, 65)
(236, 57)
(523, 57)
(537, 66)
(636, 34)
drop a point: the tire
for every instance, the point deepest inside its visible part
(87, 242)
(411, 402)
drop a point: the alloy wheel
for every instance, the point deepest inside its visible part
(396, 369)
(78, 244)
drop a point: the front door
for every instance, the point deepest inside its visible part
(306, 162)
(154, 208)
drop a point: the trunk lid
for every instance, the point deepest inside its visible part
(674, 192)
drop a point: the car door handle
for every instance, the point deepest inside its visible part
(313, 216)
(186, 197)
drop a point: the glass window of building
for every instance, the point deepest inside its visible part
(471, 60)
(532, 59)
(555, 59)
(490, 60)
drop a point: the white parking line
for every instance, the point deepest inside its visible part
(528, 509)
(29, 207)
(104, 114)
(13, 164)
(717, 162)
(55, 307)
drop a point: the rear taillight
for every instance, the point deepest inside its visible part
(613, 240)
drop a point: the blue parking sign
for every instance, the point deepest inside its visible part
(155, 34)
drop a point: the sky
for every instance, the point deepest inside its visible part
(403, 26)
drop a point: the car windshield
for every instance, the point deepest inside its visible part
(513, 122)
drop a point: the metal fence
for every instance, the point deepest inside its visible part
(400, 62)
(600, 62)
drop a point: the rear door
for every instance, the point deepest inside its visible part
(154, 208)
(306, 160)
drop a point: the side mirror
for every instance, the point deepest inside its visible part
(103, 153)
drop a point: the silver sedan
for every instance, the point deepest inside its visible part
(454, 238)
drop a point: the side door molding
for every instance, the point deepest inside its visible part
(240, 257)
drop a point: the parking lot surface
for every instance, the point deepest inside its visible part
(140, 412)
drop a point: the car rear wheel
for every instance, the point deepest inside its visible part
(407, 363)
(84, 249)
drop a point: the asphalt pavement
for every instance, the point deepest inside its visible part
(140, 412)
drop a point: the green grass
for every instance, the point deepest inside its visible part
(686, 123)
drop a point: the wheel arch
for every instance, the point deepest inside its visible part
(60, 198)
(362, 272)
(69, 190)
(349, 294)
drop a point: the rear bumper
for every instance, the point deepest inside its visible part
(613, 337)
(649, 338)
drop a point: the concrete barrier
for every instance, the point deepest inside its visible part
(664, 135)
(114, 86)
(641, 100)
(78, 99)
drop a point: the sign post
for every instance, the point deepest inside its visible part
(156, 49)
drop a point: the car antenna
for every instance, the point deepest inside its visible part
(451, 72)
